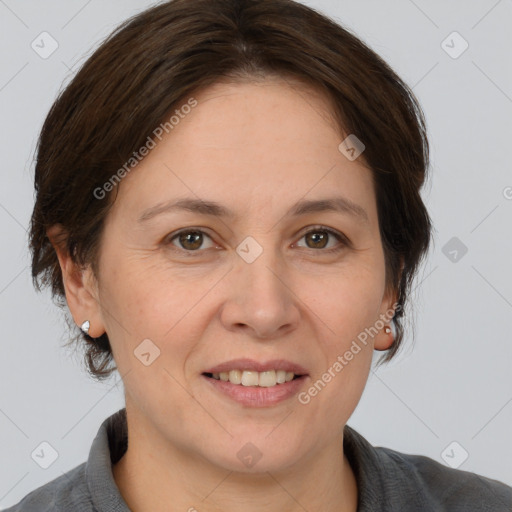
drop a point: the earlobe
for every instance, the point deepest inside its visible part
(387, 335)
(385, 338)
(79, 285)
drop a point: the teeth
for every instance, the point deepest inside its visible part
(267, 379)
(235, 376)
(250, 378)
(281, 376)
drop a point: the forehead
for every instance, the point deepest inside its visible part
(251, 145)
(274, 111)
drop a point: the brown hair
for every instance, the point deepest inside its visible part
(154, 60)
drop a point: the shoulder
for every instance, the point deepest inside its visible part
(393, 481)
(452, 490)
(66, 492)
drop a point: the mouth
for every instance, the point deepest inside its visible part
(264, 379)
(255, 384)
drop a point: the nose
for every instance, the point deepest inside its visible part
(260, 299)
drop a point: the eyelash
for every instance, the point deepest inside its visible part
(344, 241)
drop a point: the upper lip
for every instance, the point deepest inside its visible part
(258, 366)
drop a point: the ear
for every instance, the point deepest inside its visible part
(80, 285)
(383, 340)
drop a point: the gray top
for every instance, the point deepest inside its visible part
(387, 480)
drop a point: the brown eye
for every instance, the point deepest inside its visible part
(319, 238)
(190, 240)
(194, 238)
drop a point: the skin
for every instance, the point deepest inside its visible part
(256, 148)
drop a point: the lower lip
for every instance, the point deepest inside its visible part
(256, 396)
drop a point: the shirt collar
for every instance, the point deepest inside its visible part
(108, 447)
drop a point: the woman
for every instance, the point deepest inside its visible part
(228, 199)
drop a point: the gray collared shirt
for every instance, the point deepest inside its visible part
(387, 480)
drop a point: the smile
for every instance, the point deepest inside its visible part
(264, 379)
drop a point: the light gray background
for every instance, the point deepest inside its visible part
(454, 384)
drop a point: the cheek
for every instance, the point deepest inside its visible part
(145, 301)
(347, 301)
(339, 384)
(347, 307)
(139, 292)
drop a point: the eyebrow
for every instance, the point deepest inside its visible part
(302, 207)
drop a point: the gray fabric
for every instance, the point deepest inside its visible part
(388, 480)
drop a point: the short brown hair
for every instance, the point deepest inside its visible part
(154, 60)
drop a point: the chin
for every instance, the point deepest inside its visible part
(257, 463)
(259, 452)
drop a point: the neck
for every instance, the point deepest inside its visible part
(154, 476)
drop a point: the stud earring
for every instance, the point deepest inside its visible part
(391, 328)
(85, 327)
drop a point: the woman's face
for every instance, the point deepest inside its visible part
(266, 284)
